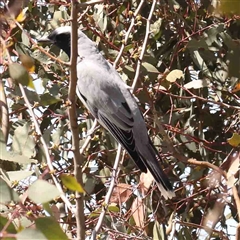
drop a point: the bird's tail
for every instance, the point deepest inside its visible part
(151, 159)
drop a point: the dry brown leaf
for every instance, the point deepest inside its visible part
(233, 169)
(145, 182)
(121, 193)
(138, 212)
(214, 215)
(55, 212)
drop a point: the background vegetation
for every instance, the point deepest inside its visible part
(182, 60)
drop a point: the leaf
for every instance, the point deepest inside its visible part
(89, 183)
(158, 232)
(7, 194)
(23, 141)
(19, 175)
(233, 169)
(25, 222)
(71, 183)
(13, 156)
(30, 233)
(121, 193)
(174, 75)
(213, 216)
(138, 212)
(10, 228)
(56, 136)
(50, 228)
(150, 68)
(145, 182)
(234, 140)
(198, 60)
(196, 84)
(228, 7)
(22, 15)
(113, 208)
(156, 26)
(27, 62)
(105, 173)
(41, 192)
(236, 88)
(58, 17)
(25, 41)
(19, 74)
(47, 99)
(100, 17)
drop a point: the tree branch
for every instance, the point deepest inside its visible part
(4, 112)
(77, 157)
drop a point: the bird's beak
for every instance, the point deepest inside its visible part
(44, 40)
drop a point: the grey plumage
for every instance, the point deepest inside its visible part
(108, 99)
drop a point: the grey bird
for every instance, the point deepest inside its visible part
(109, 100)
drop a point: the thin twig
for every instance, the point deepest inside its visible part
(4, 112)
(223, 173)
(77, 157)
(128, 32)
(139, 62)
(89, 3)
(45, 147)
(205, 99)
(89, 137)
(115, 173)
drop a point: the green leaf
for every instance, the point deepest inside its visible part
(56, 136)
(23, 141)
(113, 208)
(105, 173)
(47, 99)
(234, 140)
(158, 233)
(89, 183)
(149, 67)
(19, 74)
(11, 155)
(30, 233)
(25, 39)
(19, 175)
(71, 183)
(10, 228)
(156, 26)
(41, 192)
(7, 194)
(50, 228)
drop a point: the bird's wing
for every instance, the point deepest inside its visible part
(116, 116)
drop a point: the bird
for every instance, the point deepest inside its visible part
(109, 100)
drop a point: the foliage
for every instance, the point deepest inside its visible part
(188, 79)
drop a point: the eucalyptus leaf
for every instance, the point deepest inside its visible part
(41, 192)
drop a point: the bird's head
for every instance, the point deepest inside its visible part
(60, 37)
